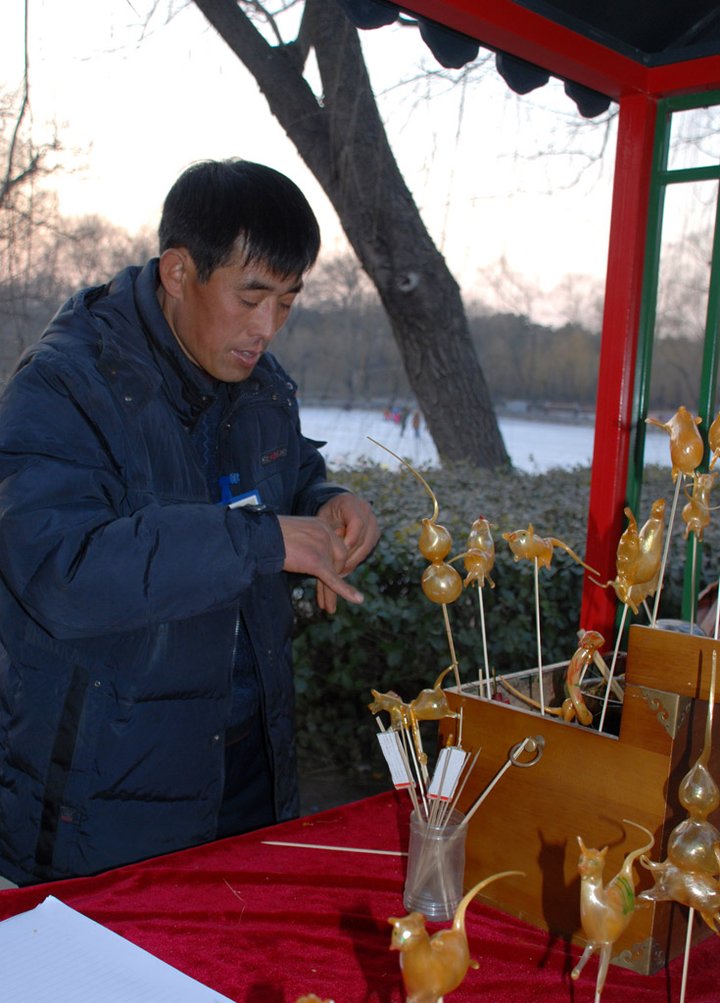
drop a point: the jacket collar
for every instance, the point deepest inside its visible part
(142, 345)
(189, 388)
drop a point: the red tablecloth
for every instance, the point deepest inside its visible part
(266, 924)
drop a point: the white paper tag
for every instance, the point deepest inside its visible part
(447, 772)
(249, 498)
(397, 762)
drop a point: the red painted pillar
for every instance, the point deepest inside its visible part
(614, 407)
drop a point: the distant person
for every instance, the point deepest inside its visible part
(155, 490)
(416, 419)
(404, 415)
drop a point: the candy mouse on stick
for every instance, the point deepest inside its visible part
(605, 910)
(526, 546)
(434, 966)
(686, 445)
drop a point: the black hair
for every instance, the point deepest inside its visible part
(217, 207)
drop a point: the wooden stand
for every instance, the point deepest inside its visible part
(586, 784)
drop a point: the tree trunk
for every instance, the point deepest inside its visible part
(343, 142)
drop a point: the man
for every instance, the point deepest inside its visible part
(154, 489)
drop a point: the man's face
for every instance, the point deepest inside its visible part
(225, 324)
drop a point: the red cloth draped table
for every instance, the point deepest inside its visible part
(261, 923)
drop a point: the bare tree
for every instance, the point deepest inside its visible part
(58, 258)
(24, 209)
(86, 250)
(26, 213)
(21, 161)
(341, 138)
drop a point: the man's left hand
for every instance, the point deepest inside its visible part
(354, 521)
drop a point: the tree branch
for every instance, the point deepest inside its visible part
(278, 74)
(9, 182)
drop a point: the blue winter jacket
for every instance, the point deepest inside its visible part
(122, 584)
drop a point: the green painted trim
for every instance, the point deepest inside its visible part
(660, 178)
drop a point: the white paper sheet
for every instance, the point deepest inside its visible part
(53, 954)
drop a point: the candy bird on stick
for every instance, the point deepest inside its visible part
(696, 516)
(696, 513)
(605, 910)
(479, 560)
(686, 453)
(480, 555)
(638, 559)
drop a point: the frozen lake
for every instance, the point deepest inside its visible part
(534, 446)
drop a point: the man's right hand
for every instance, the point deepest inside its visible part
(311, 548)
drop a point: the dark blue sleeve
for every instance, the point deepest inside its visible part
(83, 557)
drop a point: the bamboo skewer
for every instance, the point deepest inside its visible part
(486, 662)
(693, 574)
(707, 751)
(340, 849)
(451, 645)
(511, 761)
(658, 593)
(539, 639)
(686, 958)
(612, 667)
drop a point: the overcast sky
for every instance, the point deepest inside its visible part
(137, 110)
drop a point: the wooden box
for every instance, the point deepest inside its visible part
(585, 784)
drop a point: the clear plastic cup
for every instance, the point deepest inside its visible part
(436, 867)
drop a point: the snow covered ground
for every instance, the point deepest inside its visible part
(534, 446)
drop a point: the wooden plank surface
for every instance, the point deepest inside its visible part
(587, 785)
(674, 662)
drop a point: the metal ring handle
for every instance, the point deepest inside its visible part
(534, 745)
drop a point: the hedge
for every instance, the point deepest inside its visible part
(396, 640)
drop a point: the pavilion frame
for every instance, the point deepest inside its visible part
(640, 91)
